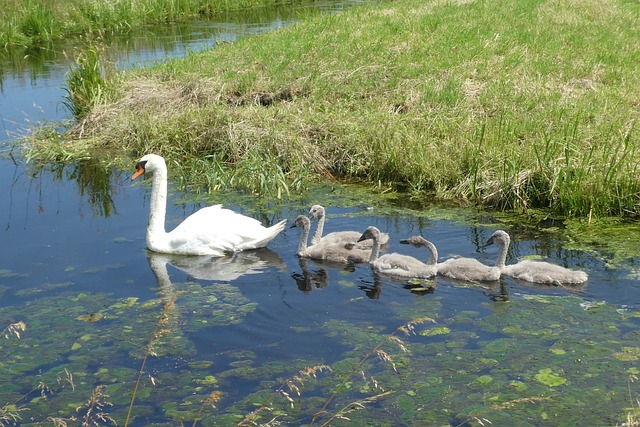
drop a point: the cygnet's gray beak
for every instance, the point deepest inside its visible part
(489, 242)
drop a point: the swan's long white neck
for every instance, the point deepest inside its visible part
(304, 236)
(319, 230)
(155, 228)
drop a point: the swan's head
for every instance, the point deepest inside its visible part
(316, 211)
(370, 233)
(148, 163)
(302, 222)
(500, 238)
(416, 241)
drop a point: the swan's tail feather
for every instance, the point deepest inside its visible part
(270, 234)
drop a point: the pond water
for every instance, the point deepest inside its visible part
(74, 269)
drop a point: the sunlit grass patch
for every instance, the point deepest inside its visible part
(493, 104)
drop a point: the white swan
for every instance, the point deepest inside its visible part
(399, 265)
(471, 269)
(540, 271)
(326, 251)
(339, 237)
(210, 231)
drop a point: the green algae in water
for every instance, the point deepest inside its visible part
(209, 380)
(90, 317)
(628, 354)
(443, 330)
(5, 274)
(526, 338)
(126, 328)
(347, 283)
(483, 380)
(547, 377)
(45, 287)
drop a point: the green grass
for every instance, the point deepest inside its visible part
(515, 104)
(34, 22)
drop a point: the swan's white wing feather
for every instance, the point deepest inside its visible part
(215, 230)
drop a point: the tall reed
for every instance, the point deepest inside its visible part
(87, 82)
(33, 22)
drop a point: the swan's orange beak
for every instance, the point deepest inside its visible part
(139, 171)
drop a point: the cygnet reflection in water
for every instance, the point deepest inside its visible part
(310, 279)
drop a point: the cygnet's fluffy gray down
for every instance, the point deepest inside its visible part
(400, 265)
(545, 273)
(472, 270)
(336, 253)
(339, 237)
(537, 271)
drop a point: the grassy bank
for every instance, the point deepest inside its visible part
(36, 22)
(521, 104)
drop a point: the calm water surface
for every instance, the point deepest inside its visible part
(74, 268)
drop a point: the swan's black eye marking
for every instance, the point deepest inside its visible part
(141, 165)
(139, 169)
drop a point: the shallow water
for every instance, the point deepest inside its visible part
(92, 296)
(74, 269)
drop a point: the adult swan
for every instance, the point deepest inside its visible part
(209, 231)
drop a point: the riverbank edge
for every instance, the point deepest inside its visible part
(271, 112)
(35, 24)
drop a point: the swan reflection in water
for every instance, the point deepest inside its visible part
(212, 268)
(310, 279)
(415, 286)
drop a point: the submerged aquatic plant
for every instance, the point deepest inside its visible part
(293, 385)
(633, 414)
(94, 408)
(160, 330)
(213, 398)
(407, 328)
(15, 329)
